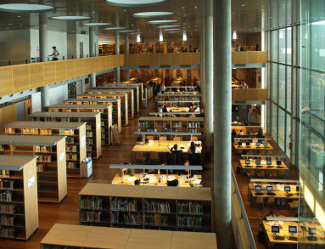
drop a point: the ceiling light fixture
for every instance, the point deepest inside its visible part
(138, 38)
(161, 36)
(162, 21)
(153, 14)
(184, 36)
(234, 35)
(115, 28)
(167, 30)
(98, 24)
(25, 8)
(70, 18)
(168, 26)
(127, 31)
(132, 3)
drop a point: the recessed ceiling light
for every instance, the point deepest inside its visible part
(70, 18)
(137, 33)
(153, 14)
(133, 3)
(168, 30)
(195, 7)
(127, 31)
(98, 24)
(19, 16)
(115, 28)
(162, 21)
(168, 26)
(25, 8)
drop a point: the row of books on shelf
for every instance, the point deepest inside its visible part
(7, 220)
(102, 129)
(42, 131)
(72, 156)
(129, 218)
(103, 135)
(44, 158)
(89, 134)
(89, 141)
(189, 221)
(179, 98)
(154, 206)
(40, 167)
(6, 196)
(5, 173)
(43, 148)
(89, 147)
(66, 132)
(73, 148)
(144, 124)
(72, 165)
(11, 131)
(194, 125)
(120, 204)
(8, 232)
(7, 184)
(69, 140)
(90, 216)
(91, 202)
(190, 207)
(156, 220)
(89, 126)
(88, 154)
(8, 208)
(4, 147)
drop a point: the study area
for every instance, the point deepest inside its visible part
(91, 160)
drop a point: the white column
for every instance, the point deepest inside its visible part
(92, 53)
(126, 49)
(117, 51)
(202, 54)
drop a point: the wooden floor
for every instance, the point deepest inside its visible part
(67, 211)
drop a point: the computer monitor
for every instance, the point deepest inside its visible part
(258, 162)
(265, 144)
(240, 143)
(278, 162)
(312, 231)
(268, 162)
(275, 229)
(248, 143)
(258, 144)
(297, 188)
(287, 189)
(269, 188)
(292, 229)
(258, 187)
(247, 162)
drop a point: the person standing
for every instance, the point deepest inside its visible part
(55, 54)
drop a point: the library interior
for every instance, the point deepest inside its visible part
(192, 123)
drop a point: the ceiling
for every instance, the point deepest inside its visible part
(246, 16)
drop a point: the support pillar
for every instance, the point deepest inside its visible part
(117, 51)
(92, 53)
(208, 62)
(222, 122)
(126, 49)
(202, 54)
(43, 45)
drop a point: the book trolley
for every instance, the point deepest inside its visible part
(51, 162)
(93, 127)
(146, 207)
(106, 120)
(18, 197)
(75, 140)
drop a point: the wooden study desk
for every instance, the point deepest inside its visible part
(181, 183)
(253, 147)
(301, 235)
(263, 166)
(276, 187)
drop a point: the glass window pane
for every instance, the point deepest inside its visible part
(274, 46)
(282, 85)
(289, 47)
(281, 129)
(288, 89)
(288, 131)
(274, 82)
(317, 55)
(274, 122)
(282, 45)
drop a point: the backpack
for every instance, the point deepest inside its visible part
(261, 237)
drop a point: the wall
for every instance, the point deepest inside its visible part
(241, 73)
(248, 39)
(73, 45)
(15, 44)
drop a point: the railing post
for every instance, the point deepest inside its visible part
(9, 62)
(72, 56)
(26, 61)
(63, 57)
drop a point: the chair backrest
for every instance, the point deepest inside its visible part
(262, 173)
(270, 199)
(259, 199)
(281, 172)
(273, 173)
(176, 139)
(154, 155)
(250, 152)
(150, 137)
(252, 172)
(138, 155)
(295, 203)
(194, 139)
(162, 138)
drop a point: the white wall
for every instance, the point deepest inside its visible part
(15, 44)
(36, 102)
(73, 44)
(58, 94)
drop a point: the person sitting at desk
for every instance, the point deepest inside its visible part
(241, 133)
(176, 156)
(260, 135)
(185, 172)
(137, 182)
(193, 149)
(270, 214)
(164, 109)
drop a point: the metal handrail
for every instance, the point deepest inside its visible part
(243, 212)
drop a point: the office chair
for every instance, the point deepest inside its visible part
(139, 156)
(195, 139)
(162, 138)
(176, 139)
(270, 200)
(154, 156)
(259, 200)
(293, 204)
(150, 137)
(273, 174)
(261, 173)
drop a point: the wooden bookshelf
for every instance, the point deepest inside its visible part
(106, 120)
(75, 236)
(178, 99)
(51, 162)
(75, 140)
(93, 127)
(129, 93)
(136, 94)
(140, 85)
(122, 96)
(172, 124)
(20, 195)
(118, 114)
(146, 207)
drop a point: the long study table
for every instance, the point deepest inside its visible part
(252, 146)
(263, 166)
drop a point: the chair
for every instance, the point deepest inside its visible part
(273, 174)
(162, 138)
(261, 173)
(251, 173)
(270, 200)
(259, 200)
(176, 139)
(195, 139)
(139, 156)
(150, 137)
(250, 152)
(281, 173)
(154, 156)
(293, 204)
(269, 152)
